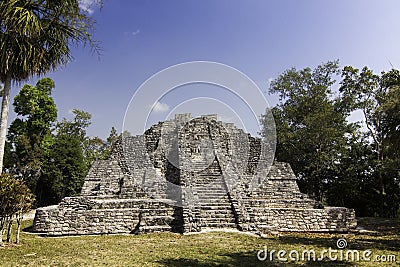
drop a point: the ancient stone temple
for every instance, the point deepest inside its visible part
(189, 175)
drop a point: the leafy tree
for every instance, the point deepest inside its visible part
(15, 200)
(63, 171)
(353, 186)
(335, 160)
(65, 164)
(311, 125)
(92, 147)
(377, 96)
(111, 139)
(29, 137)
(35, 38)
(77, 127)
(53, 164)
(70, 157)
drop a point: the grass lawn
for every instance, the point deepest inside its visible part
(208, 249)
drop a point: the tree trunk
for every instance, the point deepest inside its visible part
(4, 118)
(2, 223)
(19, 219)
(3, 226)
(1, 238)
(9, 229)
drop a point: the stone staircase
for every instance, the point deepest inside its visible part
(214, 209)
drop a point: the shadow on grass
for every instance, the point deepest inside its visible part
(360, 243)
(371, 243)
(380, 226)
(245, 259)
(28, 229)
(315, 241)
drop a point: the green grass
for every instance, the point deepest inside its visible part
(210, 249)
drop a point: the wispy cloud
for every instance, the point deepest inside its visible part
(131, 33)
(160, 107)
(86, 5)
(136, 32)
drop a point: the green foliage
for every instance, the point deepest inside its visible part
(64, 165)
(36, 105)
(77, 127)
(92, 147)
(377, 96)
(15, 199)
(310, 124)
(335, 160)
(36, 36)
(29, 136)
(53, 161)
(63, 171)
(111, 139)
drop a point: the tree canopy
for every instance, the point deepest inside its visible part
(36, 37)
(51, 157)
(335, 160)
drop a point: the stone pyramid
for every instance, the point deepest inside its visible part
(189, 175)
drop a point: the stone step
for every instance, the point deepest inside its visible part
(290, 203)
(212, 195)
(217, 225)
(261, 209)
(210, 215)
(214, 202)
(214, 206)
(210, 191)
(157, 220)
(277, 199)
(215, 222)
(153, 229)
(229, 219)
(145, 212)
(213, 199)
(217, 183)
(215, 213)
(214, 209)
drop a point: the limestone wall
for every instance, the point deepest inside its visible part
(79, 216)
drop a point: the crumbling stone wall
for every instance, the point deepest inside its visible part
(187, 175)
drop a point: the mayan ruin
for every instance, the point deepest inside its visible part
(189, 175)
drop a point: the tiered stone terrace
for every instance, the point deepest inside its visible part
(189, 175)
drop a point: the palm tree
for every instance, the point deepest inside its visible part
(35, 38)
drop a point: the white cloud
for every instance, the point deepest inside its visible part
(86, 5)
(160, 107)
(136, 32)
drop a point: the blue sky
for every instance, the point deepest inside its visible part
(259, 38)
